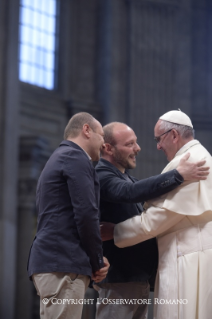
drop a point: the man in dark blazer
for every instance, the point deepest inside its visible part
(121, 196)
(67, 249)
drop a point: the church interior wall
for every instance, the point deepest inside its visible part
(120, 60)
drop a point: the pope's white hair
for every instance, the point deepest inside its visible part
(184, 130)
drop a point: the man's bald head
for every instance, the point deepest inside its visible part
(76, 123)
(113, 130)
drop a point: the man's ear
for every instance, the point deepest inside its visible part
(107, 148)
(86, 130)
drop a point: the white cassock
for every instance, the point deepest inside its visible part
(182, 222)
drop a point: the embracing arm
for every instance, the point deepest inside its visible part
(140, 228)
(118, 190)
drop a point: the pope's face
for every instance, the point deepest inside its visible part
(165, 141)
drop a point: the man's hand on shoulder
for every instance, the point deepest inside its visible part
(192, 171)
(100, 274)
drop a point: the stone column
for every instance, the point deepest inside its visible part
(112, 68)
(201, 94)
(159, 71)
(34, 153)
(9, 129)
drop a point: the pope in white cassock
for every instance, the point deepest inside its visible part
(182, 222)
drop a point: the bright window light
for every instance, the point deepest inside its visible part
(38, 42)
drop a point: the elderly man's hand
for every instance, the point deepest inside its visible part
(106, 230)
(100, 274)
(192, 171)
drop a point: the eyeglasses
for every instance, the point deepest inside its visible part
(157, 138)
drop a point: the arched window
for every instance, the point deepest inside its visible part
(38, 39)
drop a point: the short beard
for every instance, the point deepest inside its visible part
(122, 161)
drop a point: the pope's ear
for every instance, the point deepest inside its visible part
(175, 135)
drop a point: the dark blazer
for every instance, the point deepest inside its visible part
(68, 237)
(120, 197)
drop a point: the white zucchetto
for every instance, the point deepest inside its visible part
(177, 117)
